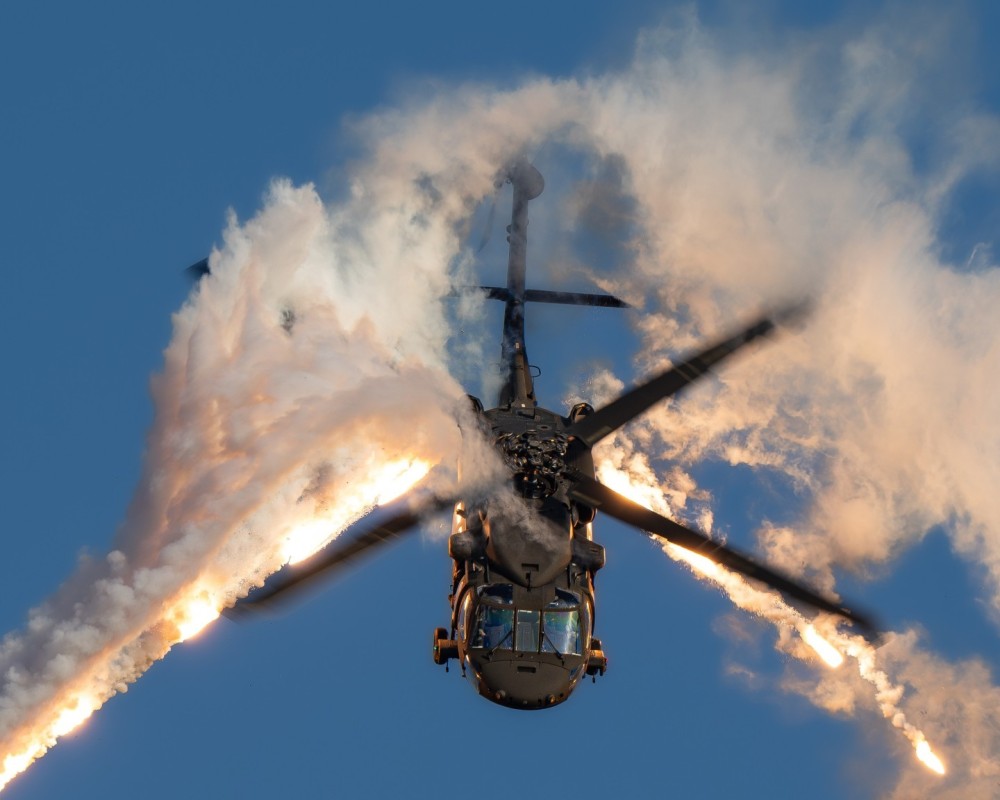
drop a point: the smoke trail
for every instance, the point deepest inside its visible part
(881, 411)
(736, 178)
(798, 636)
(304, 383)
(742, 179)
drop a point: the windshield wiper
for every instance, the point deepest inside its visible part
(493, 649)
(554, 648)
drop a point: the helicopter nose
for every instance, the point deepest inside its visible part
(526, 683)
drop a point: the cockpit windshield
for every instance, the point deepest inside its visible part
(527, 631)
(562, 632)
(557, 629)
(494, 625)
(495, 628)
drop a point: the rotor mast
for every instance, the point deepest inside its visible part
(517, 390)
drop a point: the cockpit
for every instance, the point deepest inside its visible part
(525, 657)
(498, 625)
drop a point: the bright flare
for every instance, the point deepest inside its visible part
(192, 616)
(830, 654)
(385, 485)
(199, 607)
(927, 756)
(73, 716)
(397, 477)
(16, 764)
(773, 608)
(696, 561)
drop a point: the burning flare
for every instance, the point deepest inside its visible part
(200, 604)
(68, 717)
(830, 654)
(769, 604)
(74, 715)
(387, 483)
(194, 614)
(927, 756)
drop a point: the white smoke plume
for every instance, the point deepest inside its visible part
(301, 387)
(741, 180)
(735, 180)
(881, 412)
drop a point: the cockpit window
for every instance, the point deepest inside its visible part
(527, 631)
(564, 599)
(558, 629)
(502, 593)
(562, 632)
(494, 629)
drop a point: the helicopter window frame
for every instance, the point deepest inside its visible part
(462, 620)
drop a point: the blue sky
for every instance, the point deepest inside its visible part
(126, 135)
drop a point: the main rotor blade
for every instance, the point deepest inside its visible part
(598, 496)
(591, 429)
(363, 538)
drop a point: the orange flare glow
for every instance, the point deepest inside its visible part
(830, 654)
(73, 714)
(16, 764)
(199, 605)
(385, 485)
(192, 616)
(696, 561)
(780, 613)
(927, 756)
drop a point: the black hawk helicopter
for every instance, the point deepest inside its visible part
(524, 561)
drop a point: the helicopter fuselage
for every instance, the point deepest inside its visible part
(524, 561)
(524, 564)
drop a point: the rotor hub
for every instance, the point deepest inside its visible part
(537, 458)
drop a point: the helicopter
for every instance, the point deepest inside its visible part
(524, 558)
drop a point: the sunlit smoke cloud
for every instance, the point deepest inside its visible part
(315, 355)
(304, 383)
(795, 630)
